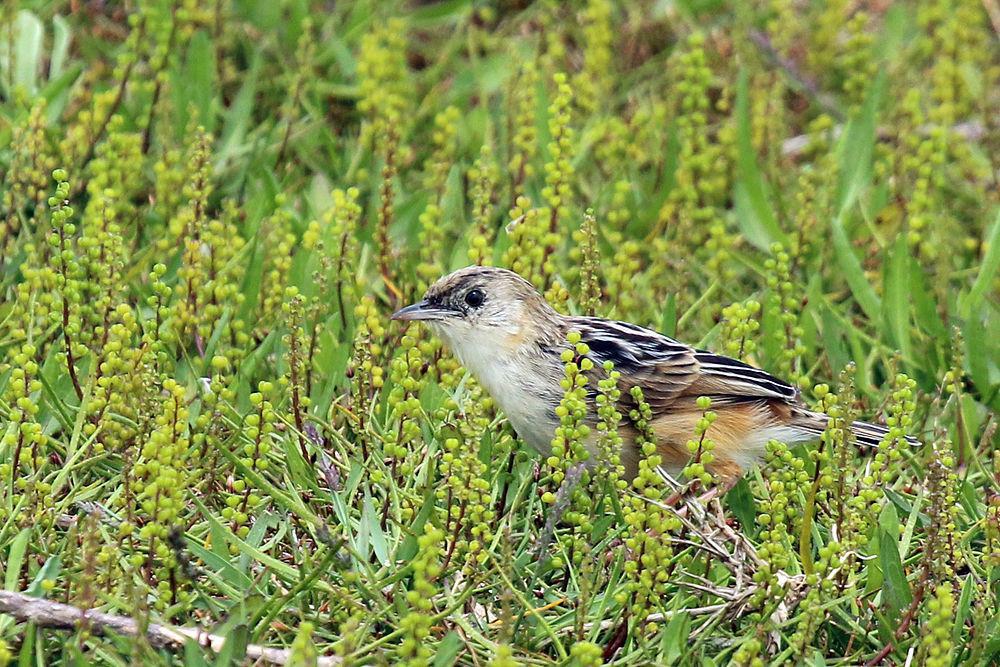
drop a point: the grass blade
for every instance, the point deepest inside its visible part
(754, 212)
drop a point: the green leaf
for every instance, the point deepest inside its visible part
(448, 650)
(408, 548)
(23, 39)
(194, 655)
(896, 594)
(56, 91)
(857, 147)
(218, 536)
(194, 83)
(62, 35)
(851, 269)
(434, 13)
(770, 321)
(913, 517)
(371, 522)
(290, 502)
(754, 212)
(811, 312)
(668, 320)
(671, 159)
(896, 24)
(49, 572)
(980, 347)
(219, 563)
(234, 650)
(255, 537)
(15, 559)
(26, 657)
(740, 501)
(832, 337)
(873, 572)
(992, 650)
(987, 271)
(452, 203)
(888, 520)
(925, 308)
(963, 610)
(896, 303)
(238, 116)
(675, 635)
(483, 78)
(279, 567)
(855, 158)
(299, 472)
(602, 526)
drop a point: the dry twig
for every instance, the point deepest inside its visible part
(48, 614)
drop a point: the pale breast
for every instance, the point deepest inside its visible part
(520, 393)
(522, 385)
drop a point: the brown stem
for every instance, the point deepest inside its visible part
(17, 457)
(617, 639)
(119, 97)
(70, 361)
(147, 133)
(340, 305)
(907, 618)
(454, 537)
(20, 443)
(502, 501)
(296, 390)
(829, 105)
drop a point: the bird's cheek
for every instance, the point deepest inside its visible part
(452, 332)
(515, 339)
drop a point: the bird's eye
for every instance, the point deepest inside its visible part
(475, 297)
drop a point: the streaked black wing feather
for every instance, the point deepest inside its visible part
(666, 368)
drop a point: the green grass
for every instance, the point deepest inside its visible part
(207, 419)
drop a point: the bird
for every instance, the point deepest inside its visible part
(511, 339)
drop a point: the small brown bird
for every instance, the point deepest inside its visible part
(511, 339)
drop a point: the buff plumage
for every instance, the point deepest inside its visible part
(511, 339)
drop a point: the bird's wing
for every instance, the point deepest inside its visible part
(731, 377)
(667, 369)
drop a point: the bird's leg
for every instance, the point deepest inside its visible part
(674, 498)
(715, 492)
(685, 492)
(720, 489)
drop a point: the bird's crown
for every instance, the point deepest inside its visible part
(482, 277)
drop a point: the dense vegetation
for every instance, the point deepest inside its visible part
(207, 420)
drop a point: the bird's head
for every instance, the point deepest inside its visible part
(483, 310)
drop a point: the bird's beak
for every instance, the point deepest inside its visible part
(422, 310)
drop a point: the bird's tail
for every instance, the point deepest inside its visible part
(872, 434)
(865, 434)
